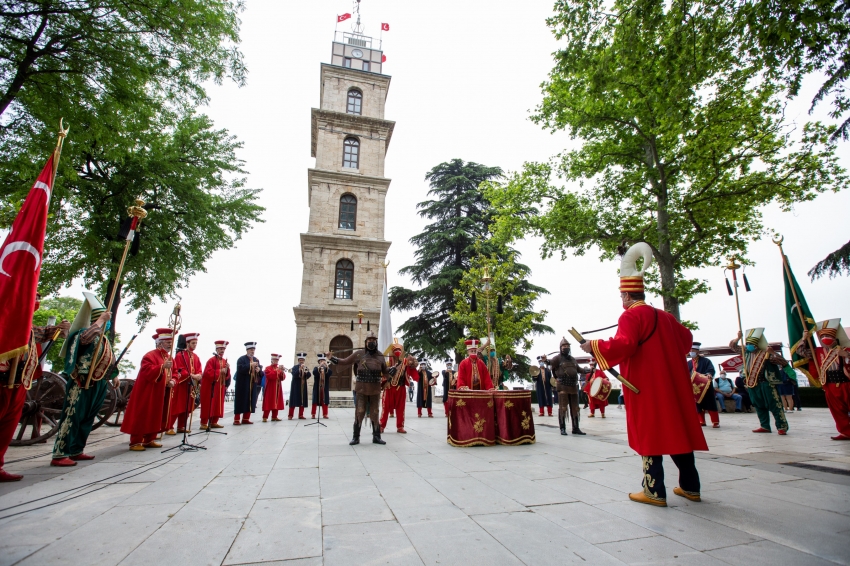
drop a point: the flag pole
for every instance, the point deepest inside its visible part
(733, 266)
(778, 239)
(137, 213)
(58, 151)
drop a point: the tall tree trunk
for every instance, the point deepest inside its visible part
(665, 259)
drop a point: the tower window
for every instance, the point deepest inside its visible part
(344, 280)
(346, 62)
(351, 153)
(355, 101)
(347, 212)
(365, 65)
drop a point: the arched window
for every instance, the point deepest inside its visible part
(347, 212)
(351, 153)
(355, 101)
(344, 280)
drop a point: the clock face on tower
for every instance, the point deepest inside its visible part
(357, 53)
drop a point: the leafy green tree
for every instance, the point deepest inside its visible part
(834, 264)
(514, 327)
(682, 143)
(63, 308)
(792, 39)
(444, 251)
(126, 76)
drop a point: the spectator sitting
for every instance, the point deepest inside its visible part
(726, 390)
(741, 388)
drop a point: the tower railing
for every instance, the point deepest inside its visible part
(357, 39)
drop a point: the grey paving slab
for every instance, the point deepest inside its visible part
(834, 498)
(474, 497)
(179, 486)
(766, 553)
(522, 490)
(291, 482)
(457, 541)
(200, 543)
(250, 465)
(657, 550)
(593, 525)
(230, 497)
(360, 506)
(108, 538)
(13, 553)
(586, 491)
(690, 530)
(279, 529)
(367, 544)
(346, 465)
(536, 540)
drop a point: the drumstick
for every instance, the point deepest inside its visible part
(575, 334)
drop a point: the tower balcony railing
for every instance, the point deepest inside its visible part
(357, 39)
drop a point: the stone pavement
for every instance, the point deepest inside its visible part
(285, 493)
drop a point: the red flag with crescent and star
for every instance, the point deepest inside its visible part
(342, 18)
(20, 266)
(385, 27)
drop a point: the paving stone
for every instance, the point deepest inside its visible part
(592, 524)
(766, 553)
(291, 482)
(200, 543)
(229, 497)
(360, 506)
(657, 550)
(279, 529)
(372, 543)
(474, 497)
(457, 541)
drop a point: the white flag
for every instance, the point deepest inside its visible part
(385, 327)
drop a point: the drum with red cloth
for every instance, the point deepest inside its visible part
(600, 387)
(514, 417)
(700, 385)
(471, 418)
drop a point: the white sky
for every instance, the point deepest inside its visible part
(464, 77)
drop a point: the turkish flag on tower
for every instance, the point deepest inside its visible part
(383, 58)
(20, 266)
(342, 18)
(385, 27)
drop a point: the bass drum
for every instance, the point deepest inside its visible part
(600, 387)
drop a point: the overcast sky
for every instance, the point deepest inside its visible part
(465, 76)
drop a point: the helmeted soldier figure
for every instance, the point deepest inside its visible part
(371, 373)
(566, 371)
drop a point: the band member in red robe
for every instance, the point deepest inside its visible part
(143, 418)
(834, 362)
(472, 372)
(187, 374)
(214, 383)
(395, 392)
(651, 347)
(273, 395)
(593, 402)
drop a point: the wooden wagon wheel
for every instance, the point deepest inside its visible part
(110, 402)
(42, 409)
(125, 387)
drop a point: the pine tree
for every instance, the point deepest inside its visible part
(445, 248)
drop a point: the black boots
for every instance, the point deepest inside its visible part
(563, 422)
(376, 435)
(576, 429)
(355, 438)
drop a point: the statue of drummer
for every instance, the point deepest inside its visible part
(566, 370)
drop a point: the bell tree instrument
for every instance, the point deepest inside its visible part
(575, 334)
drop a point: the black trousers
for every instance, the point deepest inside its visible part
(653, 475)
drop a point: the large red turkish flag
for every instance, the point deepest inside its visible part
(20, 266)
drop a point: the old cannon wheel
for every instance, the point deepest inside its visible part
(42, 409)
(125, 387)
(110, 402)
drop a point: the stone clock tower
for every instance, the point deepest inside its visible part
(344, 250)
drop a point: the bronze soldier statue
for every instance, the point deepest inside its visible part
(371, 373)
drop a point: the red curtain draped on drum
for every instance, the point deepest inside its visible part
(483, 418)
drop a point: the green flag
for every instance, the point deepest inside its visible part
(793, 309)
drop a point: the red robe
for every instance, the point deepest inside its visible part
(273, 395)
(186, 363)
(464, 374)
(213, 387)
(145, 407)
(660, 419)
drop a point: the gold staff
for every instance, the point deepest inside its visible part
(733, 266)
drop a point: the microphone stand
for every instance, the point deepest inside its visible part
(184, 445)
(320, 398)
(209, 422)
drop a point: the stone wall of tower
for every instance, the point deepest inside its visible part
(320, 316)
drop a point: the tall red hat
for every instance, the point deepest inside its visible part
(191, 336)
(221, 343)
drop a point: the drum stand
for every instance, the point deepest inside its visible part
(185, 446)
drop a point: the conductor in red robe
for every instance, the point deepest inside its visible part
(214, 383)
(651, 348)
(273, 395)
(143, 419)
(187, 373)
(472, 372)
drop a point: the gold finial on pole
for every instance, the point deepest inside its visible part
(63, 132)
